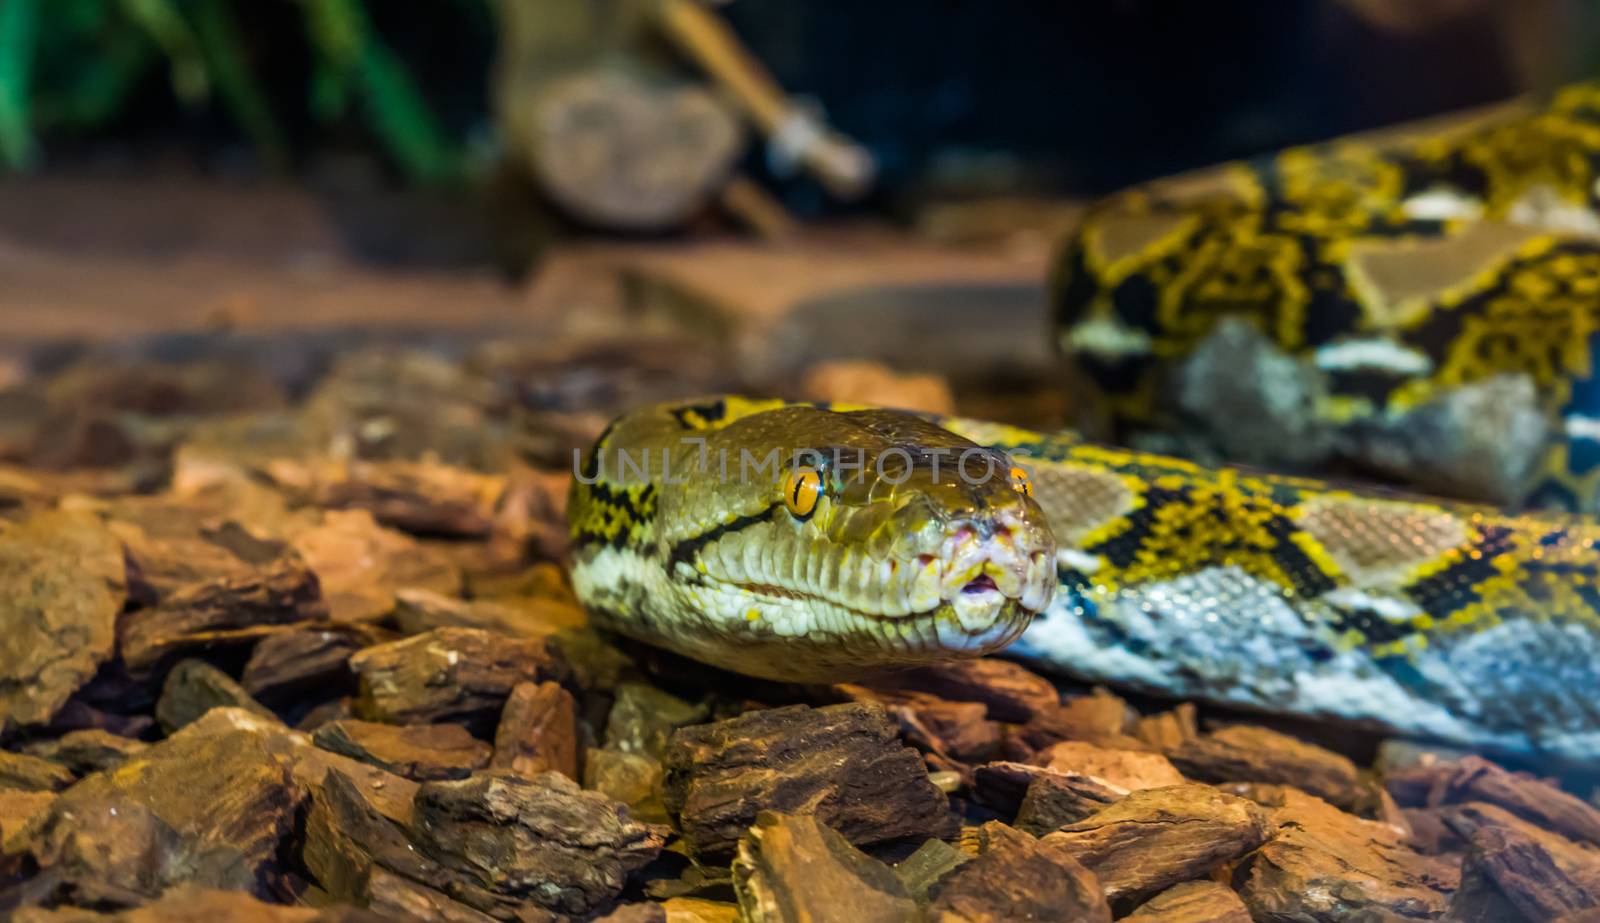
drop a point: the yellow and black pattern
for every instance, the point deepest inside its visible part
(1288, 594)
(1280, 593)
(613, 513)
(617, 516)
(1403, 272)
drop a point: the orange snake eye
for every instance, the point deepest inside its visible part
(1020, 481)
(801, 491)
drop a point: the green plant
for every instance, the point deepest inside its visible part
(70, 65)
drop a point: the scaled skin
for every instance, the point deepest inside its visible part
(1282, 594)
(902, 560)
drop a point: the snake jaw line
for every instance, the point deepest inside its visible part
(979, 570)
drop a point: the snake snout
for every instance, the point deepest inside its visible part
(991, 562)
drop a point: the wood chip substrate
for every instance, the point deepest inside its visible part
(305, 651)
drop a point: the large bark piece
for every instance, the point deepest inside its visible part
(192, 537)
(205, 790)
(194, 687)
(118, 852)
(1055, 799)
(1508, 876)
(309, 659)
(421, 752)
(361, 565)
(358, 854)
(538, 731)
(1244, 753)
(1019, 878)
(225, 611)
(1325, 864)
(1476, 779)
(842, 763)
(1469, 821)
(1125, 769)
(347, 839)
(1192, 902)
(215, 804)
(795, 869)
(953, 730)
(1157, 837)
(541, 839)
(447, 674)
(422, 498)
(1008, 691)
(88, 750)
(62, 581)
(26, 773)
(310, 765)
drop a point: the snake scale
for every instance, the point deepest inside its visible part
(815, 542)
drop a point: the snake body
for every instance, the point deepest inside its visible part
(1436, 619)
(1426, 307)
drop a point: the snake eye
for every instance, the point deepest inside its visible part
(1020, 481)
(801, 491)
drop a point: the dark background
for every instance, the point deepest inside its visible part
(1075, 98)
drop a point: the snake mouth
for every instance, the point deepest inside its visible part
(975, 588)
(973, 580)
(983, 583)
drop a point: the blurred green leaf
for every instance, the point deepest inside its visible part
(87, 97)
(73, 64)
(329, 92)
(399, 116)
(338, 31)
(227, 59)
(164, 23)
(19, 22)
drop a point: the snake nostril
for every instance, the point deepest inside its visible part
(980, 529)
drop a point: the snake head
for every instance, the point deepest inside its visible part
(878, 539)
(921, 530)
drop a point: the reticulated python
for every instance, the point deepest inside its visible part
(807, 542)
(1426, 307)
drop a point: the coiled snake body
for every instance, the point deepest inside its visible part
(1426, 617)
(1426, 307)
